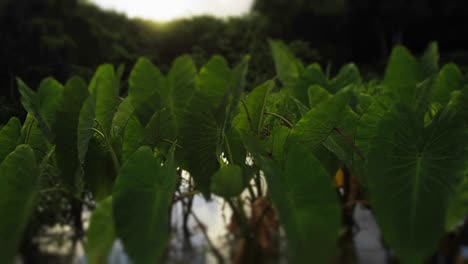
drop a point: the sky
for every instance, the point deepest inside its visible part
(165, 10)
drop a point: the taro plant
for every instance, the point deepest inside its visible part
(294, 155)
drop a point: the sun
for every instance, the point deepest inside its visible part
(165, 10)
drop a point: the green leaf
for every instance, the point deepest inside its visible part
(342, 140)
(307, 203)
(234, 148)
(236, 89)
(121, 117)
(159, 130)
(458, 207)
(402, 75)
(366, 130)
(101, 233)
(251, 115)
(105, 87)
(320, 121)
(32, 135)
(181, 84)
(9, 135)
(50, 94)
(449, 79)
(317, 94)
(349, 74)
(430, 60)
(19, 184)
(31, 102)
(146, 83)
(276, 142)
(99, 170)
(86, 125)
(200, 137)
(214, 81)
(228, 181)
(133, 138)
(286, 63)
(66, 132)
(142, 201)
(418, 167)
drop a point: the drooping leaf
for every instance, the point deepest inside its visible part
(101, 233)
(228, 181)
(66, 131)
(142, 199)
(19, 183)
(306, 201)
(146, 83)
(9, 135)
(418, 167)
(105, 87)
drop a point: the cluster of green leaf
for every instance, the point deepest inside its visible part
(405, 139)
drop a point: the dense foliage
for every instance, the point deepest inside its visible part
(401, 145)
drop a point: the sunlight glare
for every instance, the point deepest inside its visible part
(165, 10)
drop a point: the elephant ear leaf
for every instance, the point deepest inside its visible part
(228, 181)
(19, 184)
(286, 64)
(251, 115)
(105, 86)
(101, 233)
(319, 122)
(307, 203)
(142, 201)
(9, 135)
(402, 75)
(181, 82)
(66, 131)
(146, 83)
(419, 168)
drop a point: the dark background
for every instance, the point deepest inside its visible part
(60, 38)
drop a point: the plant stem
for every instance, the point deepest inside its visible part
(350, 142)
(216, 253)
(286, 121)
